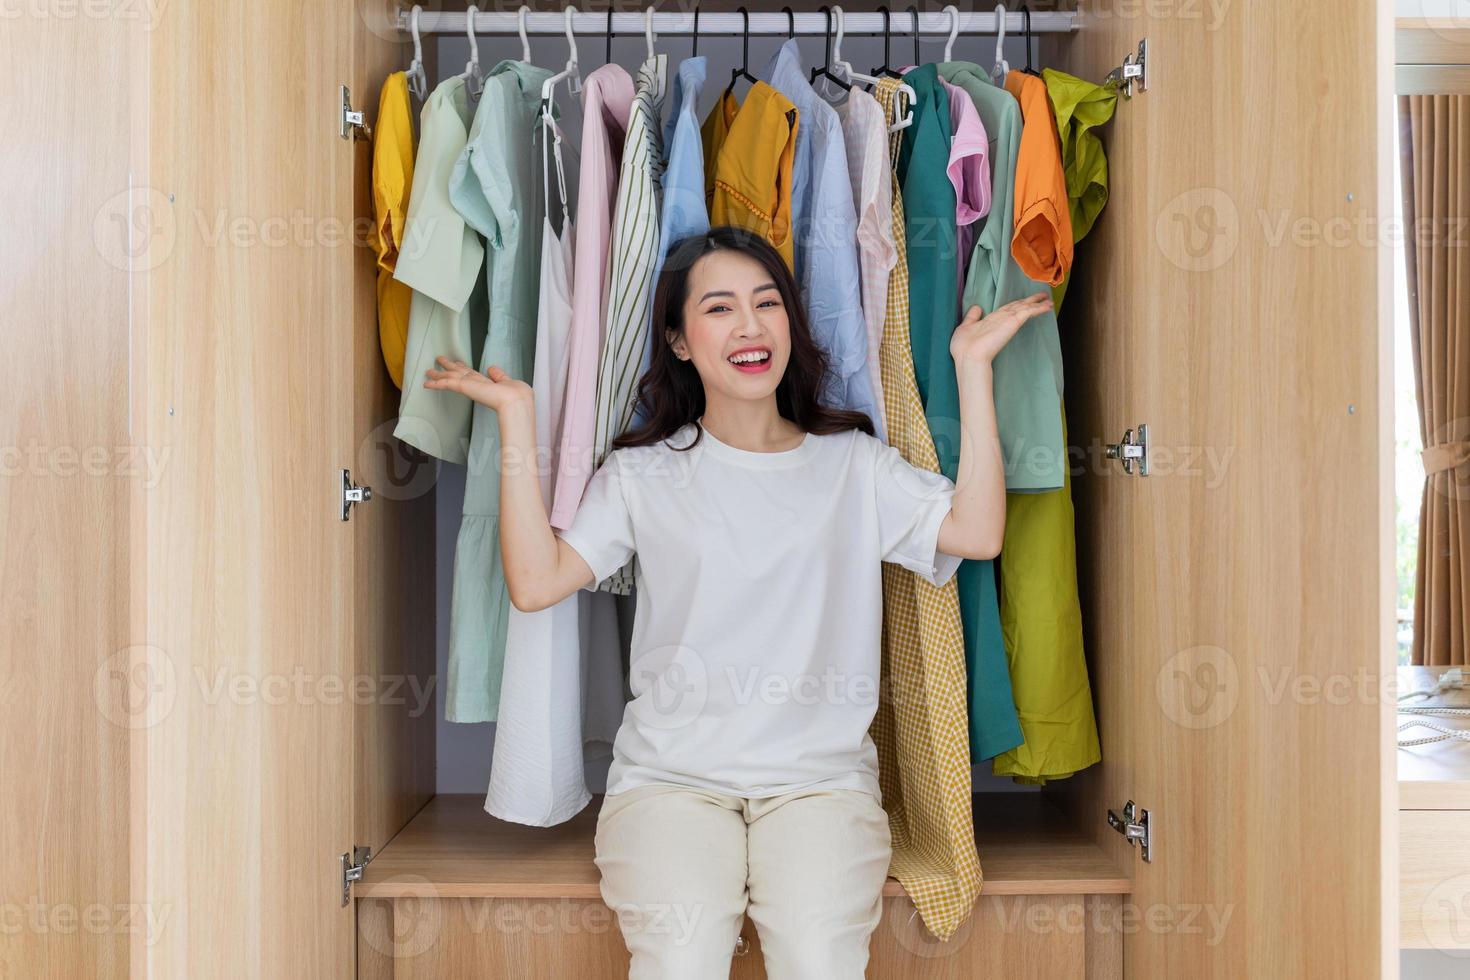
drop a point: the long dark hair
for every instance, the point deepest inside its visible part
(671, 391)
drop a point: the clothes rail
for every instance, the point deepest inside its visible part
(712, 24)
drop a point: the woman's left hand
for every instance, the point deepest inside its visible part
(979, 337)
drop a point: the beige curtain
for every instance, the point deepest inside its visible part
(1434, 140)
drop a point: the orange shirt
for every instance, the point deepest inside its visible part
(753, 171)
(1042, 239)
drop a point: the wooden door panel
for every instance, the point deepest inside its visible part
(247, 775)
(1232, 596)
(392, 592)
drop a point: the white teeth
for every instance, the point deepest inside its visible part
(749, 357)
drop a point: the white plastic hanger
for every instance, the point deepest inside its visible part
(474, 78)
(418, 79)
(998, 73)
(843, 69)
(954, 30)
(521, 26)
(570, 72)
(648, 30)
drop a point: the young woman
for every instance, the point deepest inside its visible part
(743, 776)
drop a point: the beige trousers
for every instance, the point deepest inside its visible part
(681, 867)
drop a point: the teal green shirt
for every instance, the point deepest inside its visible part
(1028, 370)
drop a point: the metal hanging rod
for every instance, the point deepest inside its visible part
(712, 24)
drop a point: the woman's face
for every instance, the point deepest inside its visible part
(736, 331)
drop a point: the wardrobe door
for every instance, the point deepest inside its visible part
(392, 592)
(245, 346)
(1234, 298)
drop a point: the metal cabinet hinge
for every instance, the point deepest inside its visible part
(1134, 69)
(1134, 826)
(353, 494)
(352, 865)
(1130, 450)
(353, 122)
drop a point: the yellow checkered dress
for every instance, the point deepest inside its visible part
(921, 727)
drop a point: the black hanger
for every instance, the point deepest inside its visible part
(826, 70)
(914, 13)
(1026, 30)
(744, 69)
(694, 49)
(608, 58)
(790, 22)
(885, 68)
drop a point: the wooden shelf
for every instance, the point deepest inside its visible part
(1434, 776)
(454, 849)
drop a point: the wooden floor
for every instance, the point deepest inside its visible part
(454, 849)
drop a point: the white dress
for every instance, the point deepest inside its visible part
(555, 655)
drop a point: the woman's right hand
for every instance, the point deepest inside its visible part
(498, 391)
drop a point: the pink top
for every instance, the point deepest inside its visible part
(969, 171)
(607, 97)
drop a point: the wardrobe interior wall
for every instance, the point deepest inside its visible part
(464, 751)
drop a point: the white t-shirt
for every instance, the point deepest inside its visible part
(756, 651)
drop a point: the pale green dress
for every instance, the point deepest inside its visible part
(496, 187)
(440, 261)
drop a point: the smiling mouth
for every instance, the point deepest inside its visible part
(751, 362)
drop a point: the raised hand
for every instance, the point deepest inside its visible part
(496, 391)
(979, 337)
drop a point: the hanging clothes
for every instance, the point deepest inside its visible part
(440, 261)
(635, 252)
(753, 170)
(1028, 370)
(825, 250)
(1042, 240)
(1080, 107)
(930, 228)
(712, 134)
(496, 187)
(924, 763)
(969, 172)
(607, 97)
(684, 210)
(1040, 612)
(536, 771)
(865, 133)
(392, 177)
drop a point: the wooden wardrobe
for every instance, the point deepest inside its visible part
(191, 282)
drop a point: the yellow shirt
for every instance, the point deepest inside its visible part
(753, 170)
(392, 176)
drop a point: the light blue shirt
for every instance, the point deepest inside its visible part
(684, 210)
(826, 236)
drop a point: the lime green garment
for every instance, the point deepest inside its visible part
(440, 260)
(1028, 370)
(1039, 611)
(1080, 106)
(496, 185)
(930, 224)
